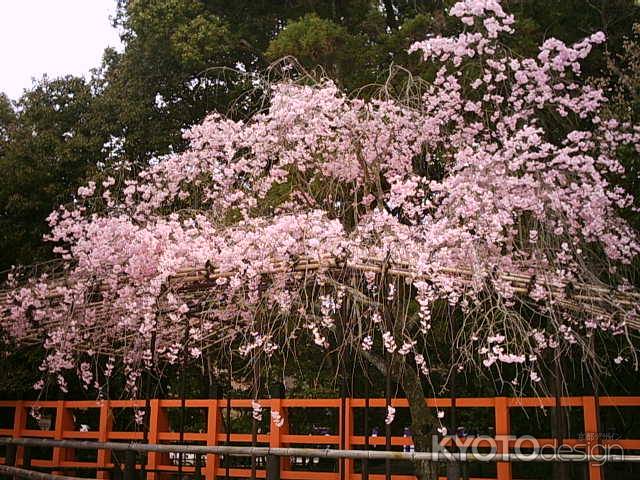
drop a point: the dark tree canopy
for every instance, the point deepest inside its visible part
(50, 143)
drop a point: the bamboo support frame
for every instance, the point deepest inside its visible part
(196, 284)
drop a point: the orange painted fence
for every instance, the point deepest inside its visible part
(64, 427)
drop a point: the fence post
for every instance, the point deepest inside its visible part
(591, 434)
(130, 465)
(213, 427)
(104, 456)
(275, 433)
(227, 458)
(346, 430)
(157, 422)
(274, 463)
(341, 429)
(19, 424)
(503, 432)
(365, 462)
(64, 421)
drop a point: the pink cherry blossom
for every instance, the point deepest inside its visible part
(452, 194)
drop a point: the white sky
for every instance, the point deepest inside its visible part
(56, 37)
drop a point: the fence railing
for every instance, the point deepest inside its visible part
(216, 413)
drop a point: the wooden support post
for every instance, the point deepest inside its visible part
(19, 424)
(275, 463)
(365, 426)
(213, 427)
(453, 468)
(387, 427)
(254, 441)
(592, 434)
(254, 422)
(183, 410)
(559, 424)
(158, 422)
(104, 456)
(227, 458)
(275, 432)
(64, 421)
(341, 430)
(348, 433)
(503, 433)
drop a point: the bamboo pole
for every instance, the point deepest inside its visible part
(437, 456)
(198, 283)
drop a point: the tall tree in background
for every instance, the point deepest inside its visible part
(48, 145)
(159, 85)
(7, 121)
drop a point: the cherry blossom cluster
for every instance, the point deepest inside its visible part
(465, 177)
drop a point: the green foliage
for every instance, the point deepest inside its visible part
(19, 373)
(7, 121)
(158, 86)
(176, 64)
(49, 146)
(316, 41)
(572, 20)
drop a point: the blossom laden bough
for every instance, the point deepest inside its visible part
(325, 211)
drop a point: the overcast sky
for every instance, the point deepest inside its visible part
(55, 37)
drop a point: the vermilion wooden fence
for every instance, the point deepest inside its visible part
(66, 428)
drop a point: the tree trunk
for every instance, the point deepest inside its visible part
(422, 422)
(558, 424)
